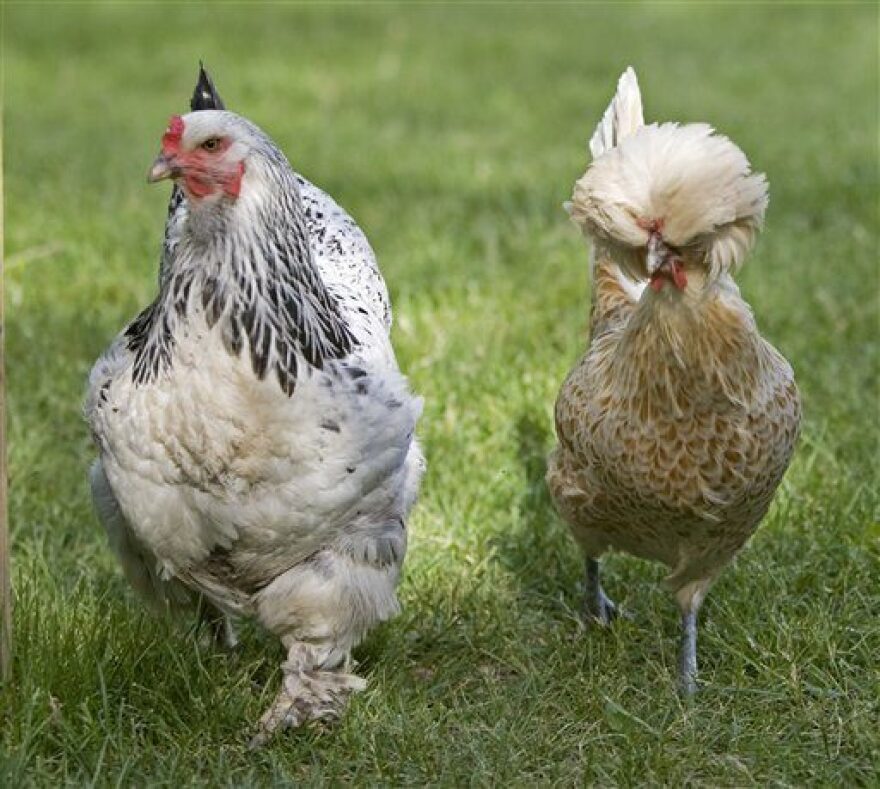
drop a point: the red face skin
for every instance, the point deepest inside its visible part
(204, 171)
(671, 271)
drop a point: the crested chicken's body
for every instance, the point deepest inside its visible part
(677, 425)
(256, 438)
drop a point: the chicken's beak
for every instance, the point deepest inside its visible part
(657, 252)
(664, 265)
(161, 169)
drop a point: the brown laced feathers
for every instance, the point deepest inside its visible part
(677, 425)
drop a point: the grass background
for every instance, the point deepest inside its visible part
(453, 133)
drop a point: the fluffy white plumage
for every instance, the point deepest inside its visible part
(256, 438)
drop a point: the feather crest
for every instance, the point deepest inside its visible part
(622, 117)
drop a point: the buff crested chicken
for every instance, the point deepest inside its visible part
(677, 425)
(257, 450)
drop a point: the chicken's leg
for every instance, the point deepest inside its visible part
(321, 609)
(598, 607)
(687, 659)
(690, 598)
(222, 632)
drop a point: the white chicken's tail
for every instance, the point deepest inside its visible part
(622, 117)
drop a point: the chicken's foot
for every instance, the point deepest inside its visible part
(598, 607)
(308, 693)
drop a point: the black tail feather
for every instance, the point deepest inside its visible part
(205, 96)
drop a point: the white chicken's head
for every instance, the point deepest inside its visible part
(212, 154)
(669, 201)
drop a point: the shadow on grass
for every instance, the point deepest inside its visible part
(539, 552)
(88, 653)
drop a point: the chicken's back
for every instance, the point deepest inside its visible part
(344, 257)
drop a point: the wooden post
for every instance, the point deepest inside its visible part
(5, 580)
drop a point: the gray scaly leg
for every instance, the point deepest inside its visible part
(687, 659)
(598, 607)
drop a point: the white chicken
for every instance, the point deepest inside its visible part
(256, 437)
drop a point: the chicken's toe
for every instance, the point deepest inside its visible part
(600, 610)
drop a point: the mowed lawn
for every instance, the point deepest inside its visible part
(453, 134)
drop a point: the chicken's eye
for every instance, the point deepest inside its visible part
(211, 144)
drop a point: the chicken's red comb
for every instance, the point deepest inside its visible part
(173, 135)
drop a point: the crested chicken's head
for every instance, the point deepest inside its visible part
(212, 154)
(672, 204)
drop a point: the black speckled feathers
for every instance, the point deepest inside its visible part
(266, 295)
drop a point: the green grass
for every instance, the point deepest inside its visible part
(453, 134)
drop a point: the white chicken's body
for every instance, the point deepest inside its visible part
(286, 505)
(212, 461)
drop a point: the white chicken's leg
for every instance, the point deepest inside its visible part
(598, 607)
(321, 610)
(219, 626)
